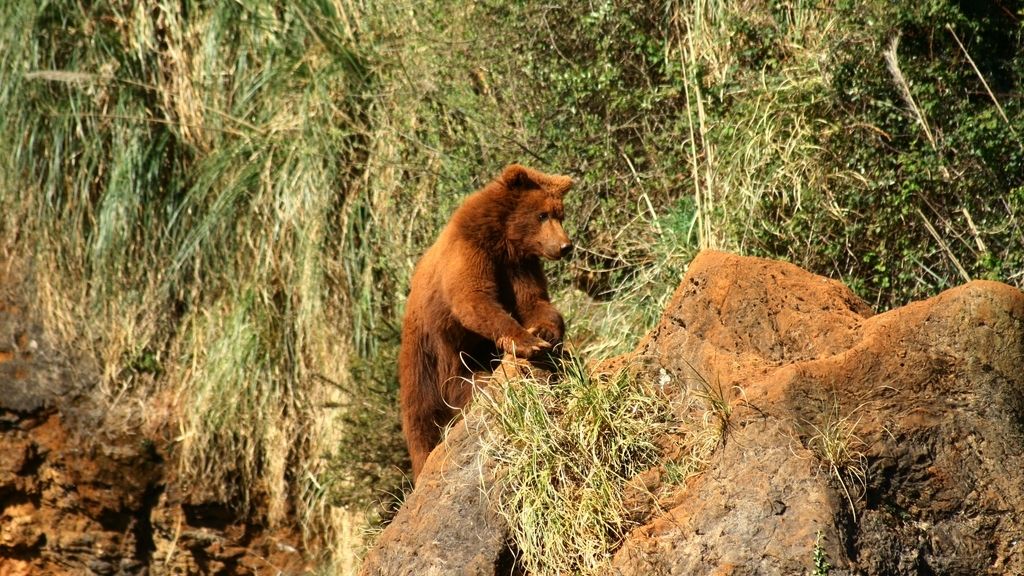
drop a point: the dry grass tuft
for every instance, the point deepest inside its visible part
(565, 451)
(702, 422)
(841, 452)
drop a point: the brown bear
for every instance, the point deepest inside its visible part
(478, 290)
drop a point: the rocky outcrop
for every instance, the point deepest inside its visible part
(880, 444)
(930, 395)
(447, 525)
(84, 492)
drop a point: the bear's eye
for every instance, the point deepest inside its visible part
(543, 216)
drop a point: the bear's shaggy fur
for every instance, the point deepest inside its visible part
(479, 289)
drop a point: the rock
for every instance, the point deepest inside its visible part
(926, 400)
(447, 525)
(932, 393)
(79, 497)
(461, 536)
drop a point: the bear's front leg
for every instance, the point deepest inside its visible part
(533, 305)
(473, 298)
(546, 323)
(487, 318)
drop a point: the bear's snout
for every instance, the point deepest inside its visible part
(565, 249)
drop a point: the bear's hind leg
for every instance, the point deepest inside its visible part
(418, 395)
(424, 410)
(422, 434)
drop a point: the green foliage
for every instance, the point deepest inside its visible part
(822, 567)
(927, 159)
(173, 174)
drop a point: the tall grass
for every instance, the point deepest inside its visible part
(571, 451)
(758, 151)
(564, 451)
(175, 176)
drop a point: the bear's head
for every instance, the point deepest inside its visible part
(534, 225)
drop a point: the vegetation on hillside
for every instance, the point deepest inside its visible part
(220, 203)
(566, 449)
(572, 449)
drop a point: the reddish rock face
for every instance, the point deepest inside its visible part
(81, 494)
(934, 391)
(933, 394)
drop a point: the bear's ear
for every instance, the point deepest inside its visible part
(518, 177)
(556, 184)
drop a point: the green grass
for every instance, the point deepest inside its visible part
(568, 450)
(174, 177)
(834, 442)
(564, 451)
